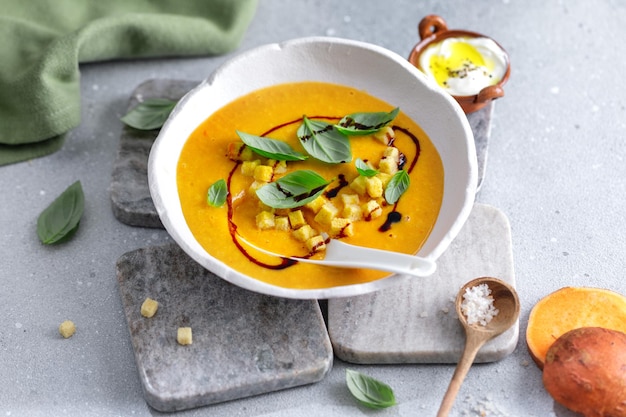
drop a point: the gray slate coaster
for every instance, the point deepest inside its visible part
(129, 192)
(416, 322)
(130, 195)
(243, 343)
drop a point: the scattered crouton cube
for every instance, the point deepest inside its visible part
(246, 154)
(353, 212)
(149, 307)
(184, 336)
(348, 199)
(374, 187)
(315, 244)
(279, 167)
(385, 135)
(304, 233)
(281, 223)
(234, 149)
(326, 214)
(67, 329)
(340, 226)
(384, 178)
(358, 185)
(296, 219)
(238, 151)
(388, 166)
(265, 220)
(254, 186)
(248, 167)
(392, 152)
(263, 173)
(316, 204)
(371, 210)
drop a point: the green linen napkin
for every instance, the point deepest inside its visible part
(44, 41)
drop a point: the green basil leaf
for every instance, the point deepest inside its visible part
(150, 114)
(293, 190)
(397, 185)
(324, 142)
(366, 123)
(271, 148)
(364, 169)
(59, 221)
(217, 193)
(369, 391)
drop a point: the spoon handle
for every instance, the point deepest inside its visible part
(342, 254)
(472, 345)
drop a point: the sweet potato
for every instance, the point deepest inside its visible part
(570, 308)
(585, 371)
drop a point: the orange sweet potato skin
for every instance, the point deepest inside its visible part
(585, 371)
(570, 308)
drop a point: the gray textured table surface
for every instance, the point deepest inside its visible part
(556, 169)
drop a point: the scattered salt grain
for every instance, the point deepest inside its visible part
(478, 306)
(483, 407)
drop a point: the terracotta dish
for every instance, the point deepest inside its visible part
(433, 29)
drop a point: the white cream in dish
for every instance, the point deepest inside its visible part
(464, 65)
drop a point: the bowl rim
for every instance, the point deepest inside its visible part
(162, 197)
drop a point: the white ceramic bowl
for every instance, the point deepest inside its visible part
(378, 71)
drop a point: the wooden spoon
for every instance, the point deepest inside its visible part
(505, 299)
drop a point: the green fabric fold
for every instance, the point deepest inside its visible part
(44, 42)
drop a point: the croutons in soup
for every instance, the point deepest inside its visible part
(284, 165)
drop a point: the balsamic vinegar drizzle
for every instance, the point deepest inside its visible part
(393, 217)
(334, 191)
(232, 229)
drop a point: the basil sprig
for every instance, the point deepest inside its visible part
(293, 190)
(369, 391)
(324, 142)
(60, 220)
(364, 169)
(218, 191)
(149, 114)
(397, 185)
(366, 123)
(271, 148)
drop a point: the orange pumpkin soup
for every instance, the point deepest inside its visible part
(277, 112)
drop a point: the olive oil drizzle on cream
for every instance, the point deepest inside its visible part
(393, 217)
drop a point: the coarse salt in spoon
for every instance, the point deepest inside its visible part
(482, 320)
